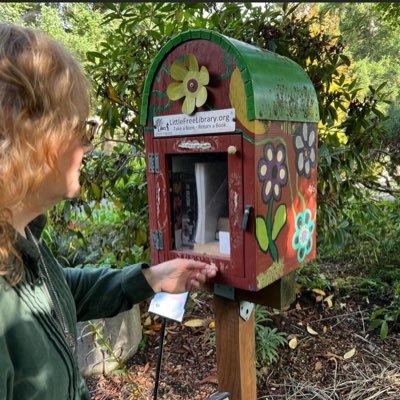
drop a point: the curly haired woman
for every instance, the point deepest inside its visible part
(44, 103)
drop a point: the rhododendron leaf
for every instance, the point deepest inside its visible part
(311, 330)
(293, 343)
(195, 323)
(350, 353)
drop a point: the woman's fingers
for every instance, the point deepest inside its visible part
(194, 283)
(209, 269)
(192, 264)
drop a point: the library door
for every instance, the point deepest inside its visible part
(199, 200)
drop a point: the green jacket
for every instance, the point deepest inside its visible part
(38, 319)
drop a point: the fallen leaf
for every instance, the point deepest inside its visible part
(149, 332)
(318, 299)
(298, 307)
(146, 367)
(264, 370)
(147, 322)
(318, 366)
(172, 330)
(350, 353)
(210, 379)
(155, 327)
(195, 323)
(311, 330)
(298, 288)
(325, 329)
(211, 325)
(329, 301)
(319, 291)
(293, 343)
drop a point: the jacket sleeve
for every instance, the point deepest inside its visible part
(7, 317)
(105, 292)
(6, 371)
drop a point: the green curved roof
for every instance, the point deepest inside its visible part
(277, 89)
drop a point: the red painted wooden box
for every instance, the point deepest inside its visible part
(231, 144)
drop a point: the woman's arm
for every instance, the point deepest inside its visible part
(104, 292)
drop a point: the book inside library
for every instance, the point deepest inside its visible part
(199, 203)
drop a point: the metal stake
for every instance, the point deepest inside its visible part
(160, 354)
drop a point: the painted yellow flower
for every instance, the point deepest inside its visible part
(191, 85)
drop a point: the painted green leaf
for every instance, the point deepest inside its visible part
(279, 221)
(261, 233)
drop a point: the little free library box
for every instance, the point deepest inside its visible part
(231, 143)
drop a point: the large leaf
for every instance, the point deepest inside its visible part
(384, 330)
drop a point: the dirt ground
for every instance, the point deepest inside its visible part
(338, 358)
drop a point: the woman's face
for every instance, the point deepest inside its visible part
(63, 181)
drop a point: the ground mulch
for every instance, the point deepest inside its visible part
(336, 356)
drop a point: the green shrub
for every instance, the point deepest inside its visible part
(109, 225)
(310, 277)
(267, 339)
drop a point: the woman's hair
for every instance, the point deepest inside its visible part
(44, 102)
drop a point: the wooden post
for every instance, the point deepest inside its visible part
(279, 294)
(235, 339)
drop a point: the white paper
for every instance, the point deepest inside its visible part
(211, 184)
(169, 305)
(224, 242)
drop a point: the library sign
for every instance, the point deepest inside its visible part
(202, 122)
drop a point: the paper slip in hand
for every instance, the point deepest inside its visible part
(169, 305)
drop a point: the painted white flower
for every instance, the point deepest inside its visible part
(305, 144)
(272, 172)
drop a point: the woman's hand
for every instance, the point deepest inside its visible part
(179, 275)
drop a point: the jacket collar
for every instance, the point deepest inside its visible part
(26, 246)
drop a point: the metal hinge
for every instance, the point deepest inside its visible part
(154, 163)
(246, 308)
(225, 291)
(158, 240)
